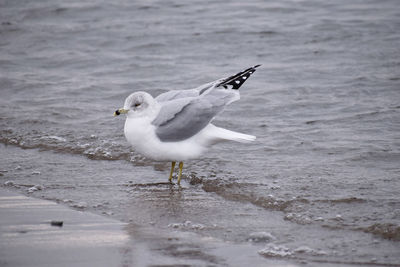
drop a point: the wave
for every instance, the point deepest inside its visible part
(385, 230)
(298, 210)
(243, 192)
(358, 116)
(93, 149)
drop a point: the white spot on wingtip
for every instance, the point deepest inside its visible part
(244, 77)
(237, 82)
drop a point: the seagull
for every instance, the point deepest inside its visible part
(176, 125)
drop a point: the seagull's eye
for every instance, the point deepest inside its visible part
(137, 105)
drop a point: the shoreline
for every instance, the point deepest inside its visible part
(87, 239)
(164, 226)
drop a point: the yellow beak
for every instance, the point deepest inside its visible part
(120, 111)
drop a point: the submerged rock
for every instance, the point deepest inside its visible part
(57, 223)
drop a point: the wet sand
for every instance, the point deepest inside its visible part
(85, 239)
(171, 225)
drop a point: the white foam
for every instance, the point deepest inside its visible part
(272, 250)
(310, 251)
(80, 205)
(8, 183)
(187, 225)
(261, 237)
(35, 188)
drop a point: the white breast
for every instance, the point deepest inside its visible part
(140, 133)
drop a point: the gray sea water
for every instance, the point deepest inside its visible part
(320, 186)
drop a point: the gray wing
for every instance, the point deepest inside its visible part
(182, 118)
(175, 94)
(232, 82)
(184, 113)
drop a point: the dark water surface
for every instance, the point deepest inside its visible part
(321, 183)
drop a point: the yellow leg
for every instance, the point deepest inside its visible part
(172, 171)
(180, 172)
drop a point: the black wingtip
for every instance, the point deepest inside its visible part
(237, 80)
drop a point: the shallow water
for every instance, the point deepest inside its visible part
(323, 176)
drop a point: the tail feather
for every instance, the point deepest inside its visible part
(218, 134)
(235, 136)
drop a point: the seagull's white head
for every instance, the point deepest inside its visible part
(139, 104)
